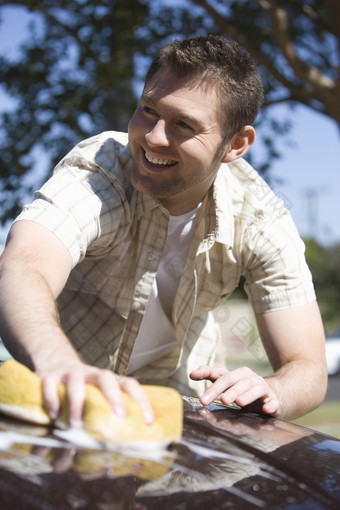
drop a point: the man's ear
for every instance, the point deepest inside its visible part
(239, 144)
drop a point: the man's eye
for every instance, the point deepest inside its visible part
(148, 111)
(185, 126)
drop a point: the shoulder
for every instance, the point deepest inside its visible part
(107, 152)
(107, 141)
(249, 196)
(260, 222)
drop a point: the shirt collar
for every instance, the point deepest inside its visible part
(219, 211)
(145, 203)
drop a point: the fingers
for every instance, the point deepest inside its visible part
(208, 373)
(241, 386)
(134, 389)
(109, 383)
(112, 387)
(271, 406)
(75, 393)
(238, 386)
(50, 395)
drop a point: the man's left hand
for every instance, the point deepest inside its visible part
(242, 386)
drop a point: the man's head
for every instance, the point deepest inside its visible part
(192, 116)
(215, 61)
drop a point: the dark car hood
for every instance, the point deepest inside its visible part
(227, 459)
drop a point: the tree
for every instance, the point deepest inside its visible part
(76, 71)
(298, 44)
(73, 78)
(295, 42)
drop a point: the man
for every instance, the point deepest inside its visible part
(139, 237)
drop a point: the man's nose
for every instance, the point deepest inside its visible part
(158, 136)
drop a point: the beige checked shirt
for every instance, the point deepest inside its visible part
(116, 236)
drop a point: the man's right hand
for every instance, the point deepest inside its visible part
(75, 376)
(33, 271)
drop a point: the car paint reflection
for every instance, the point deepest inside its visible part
(227, 458)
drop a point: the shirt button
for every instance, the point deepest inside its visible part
(136, 305)
(151, 255)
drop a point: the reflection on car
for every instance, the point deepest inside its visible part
(227, 458)
(333, 353)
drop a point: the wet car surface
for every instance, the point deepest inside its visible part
(227, 459)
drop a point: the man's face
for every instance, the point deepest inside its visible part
(175, 137)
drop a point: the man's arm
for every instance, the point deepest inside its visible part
(33, 271)
(295, 344)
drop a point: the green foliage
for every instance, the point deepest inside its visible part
(324, 264)
(73, 78)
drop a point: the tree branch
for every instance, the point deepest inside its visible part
(333, 7)
(280, 24)
(312, 15)
(299, 92)
(315, 87)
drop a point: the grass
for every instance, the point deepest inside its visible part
(325, 419)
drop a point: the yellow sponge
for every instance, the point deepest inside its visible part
(21, 393)
(21, 397)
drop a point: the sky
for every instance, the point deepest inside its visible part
(307, 176)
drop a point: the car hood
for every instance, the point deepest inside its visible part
(227, 458)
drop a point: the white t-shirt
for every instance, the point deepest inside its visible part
(156, 336)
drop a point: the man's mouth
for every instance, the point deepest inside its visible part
(159, 161)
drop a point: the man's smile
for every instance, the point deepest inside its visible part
(160, 162)
(176, 141)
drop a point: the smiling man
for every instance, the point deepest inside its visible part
(177, 141)
(110, 275)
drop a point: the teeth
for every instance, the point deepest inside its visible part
(158, 161)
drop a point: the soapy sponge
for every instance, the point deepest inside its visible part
(21, 398)
(21, 393)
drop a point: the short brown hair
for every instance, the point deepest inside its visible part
(219, 62)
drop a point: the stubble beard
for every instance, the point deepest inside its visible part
(171, 187)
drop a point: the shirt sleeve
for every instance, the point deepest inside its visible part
(276, 272)
(79, 204)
